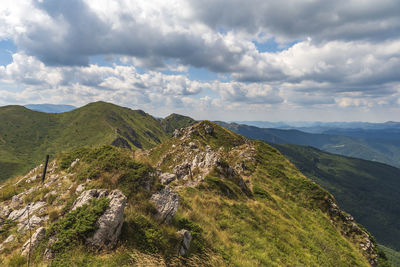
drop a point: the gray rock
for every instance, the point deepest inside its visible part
(166, 202)
(22, 214)
(192, 145)
(86, 196)
(166, 178)
(209, 129)
(33, 222)
(110, 223)
(185, 244)
(80, 188)
(74, 162)
(9, 239)
(32, 243)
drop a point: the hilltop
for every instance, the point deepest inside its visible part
(204, 197)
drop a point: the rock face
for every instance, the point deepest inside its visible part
(186, 239)
(34, 241)
(110, 223)
(166, 202)
(166, 178)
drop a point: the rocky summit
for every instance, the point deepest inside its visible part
(204, 197)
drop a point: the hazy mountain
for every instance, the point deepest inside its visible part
(50, 108)
(385, 149)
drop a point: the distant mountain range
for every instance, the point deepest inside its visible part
(50, 108)
(376, 145)
(322, 127)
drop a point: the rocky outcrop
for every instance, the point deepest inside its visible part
(166, 178)
(86, 196)
(110, 223)
(34, 241)
(22, 214)
(186, 237)
(349, 227)
(166, 202)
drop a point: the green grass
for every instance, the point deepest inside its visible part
(27, 136)
(368, 190)
(392, 255)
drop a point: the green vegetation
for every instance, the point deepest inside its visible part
(26, 136)
(392, 255)
(176, 121)
(76, 226)
(368, 190)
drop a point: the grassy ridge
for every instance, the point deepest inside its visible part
(26, 136)
(368, 190)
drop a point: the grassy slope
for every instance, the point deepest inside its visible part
(176, 121)
(283, 225)
(27, 136)
(370, 149)
(368, 190)
(392, 255)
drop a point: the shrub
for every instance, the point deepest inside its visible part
(77, 225)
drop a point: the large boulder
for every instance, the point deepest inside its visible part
(34, 241)
(166, 202)
(110, 223)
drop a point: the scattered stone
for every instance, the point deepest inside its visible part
(74, 162)
(80, 188)
(86, 196)
(209, 129)
(32, 178)
(166, 178)
(185, 244)
(16, 201)
(33, 222)
(9, 239)
(192, 145)
(166, 202)
(22, 214)
(177, 133)
(110, 223)
(32, 243)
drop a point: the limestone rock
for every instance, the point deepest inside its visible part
(166, 202)
(22, 214)
(110, 223)
(33, 222)
(86, 196)
(74, 162)
(80, 188)
(166, 178)
(186, 239)
(34, 241)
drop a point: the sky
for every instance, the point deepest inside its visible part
(287, 60)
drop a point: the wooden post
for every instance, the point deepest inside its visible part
(45, 168)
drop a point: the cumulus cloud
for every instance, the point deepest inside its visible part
(344, 53)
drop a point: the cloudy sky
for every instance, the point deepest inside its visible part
(210, 59)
